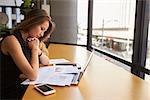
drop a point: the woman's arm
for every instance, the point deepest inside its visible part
(11, 46)
(43, 54)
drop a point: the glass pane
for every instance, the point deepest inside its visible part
(148, 50)
(82, 21)
(113, 27)
(147, 77)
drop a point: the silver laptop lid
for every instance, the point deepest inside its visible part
(82, 72)
(88, 61)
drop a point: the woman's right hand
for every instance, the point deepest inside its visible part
(33, 43)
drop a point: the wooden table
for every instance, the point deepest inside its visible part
(101, 81)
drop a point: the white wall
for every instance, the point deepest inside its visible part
(10, 2)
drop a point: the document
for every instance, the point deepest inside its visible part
(57, 61)
(43, 72)
(54, 75)
(66, 69)
(59, 79)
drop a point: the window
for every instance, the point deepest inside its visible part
(147, 77)
(82, 22)
(113, 27)
(148, 50)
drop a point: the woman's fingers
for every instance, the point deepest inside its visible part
(30, 39)
(33, 42)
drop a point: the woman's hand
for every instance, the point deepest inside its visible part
(33, 43)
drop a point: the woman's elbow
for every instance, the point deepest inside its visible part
(45, 61)
(33, 77)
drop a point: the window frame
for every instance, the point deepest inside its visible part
(139, 51)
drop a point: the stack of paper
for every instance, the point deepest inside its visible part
(59, 75)
(57, 61)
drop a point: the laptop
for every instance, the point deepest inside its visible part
(77, 77)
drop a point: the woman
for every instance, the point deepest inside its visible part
(20, 52)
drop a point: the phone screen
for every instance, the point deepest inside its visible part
(44, 88)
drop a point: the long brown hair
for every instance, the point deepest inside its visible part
(33, 18)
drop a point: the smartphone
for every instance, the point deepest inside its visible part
(44, 89)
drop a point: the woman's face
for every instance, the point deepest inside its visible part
(38, 30)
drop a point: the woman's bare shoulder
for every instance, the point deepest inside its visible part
(10, 42)
(9, 38)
